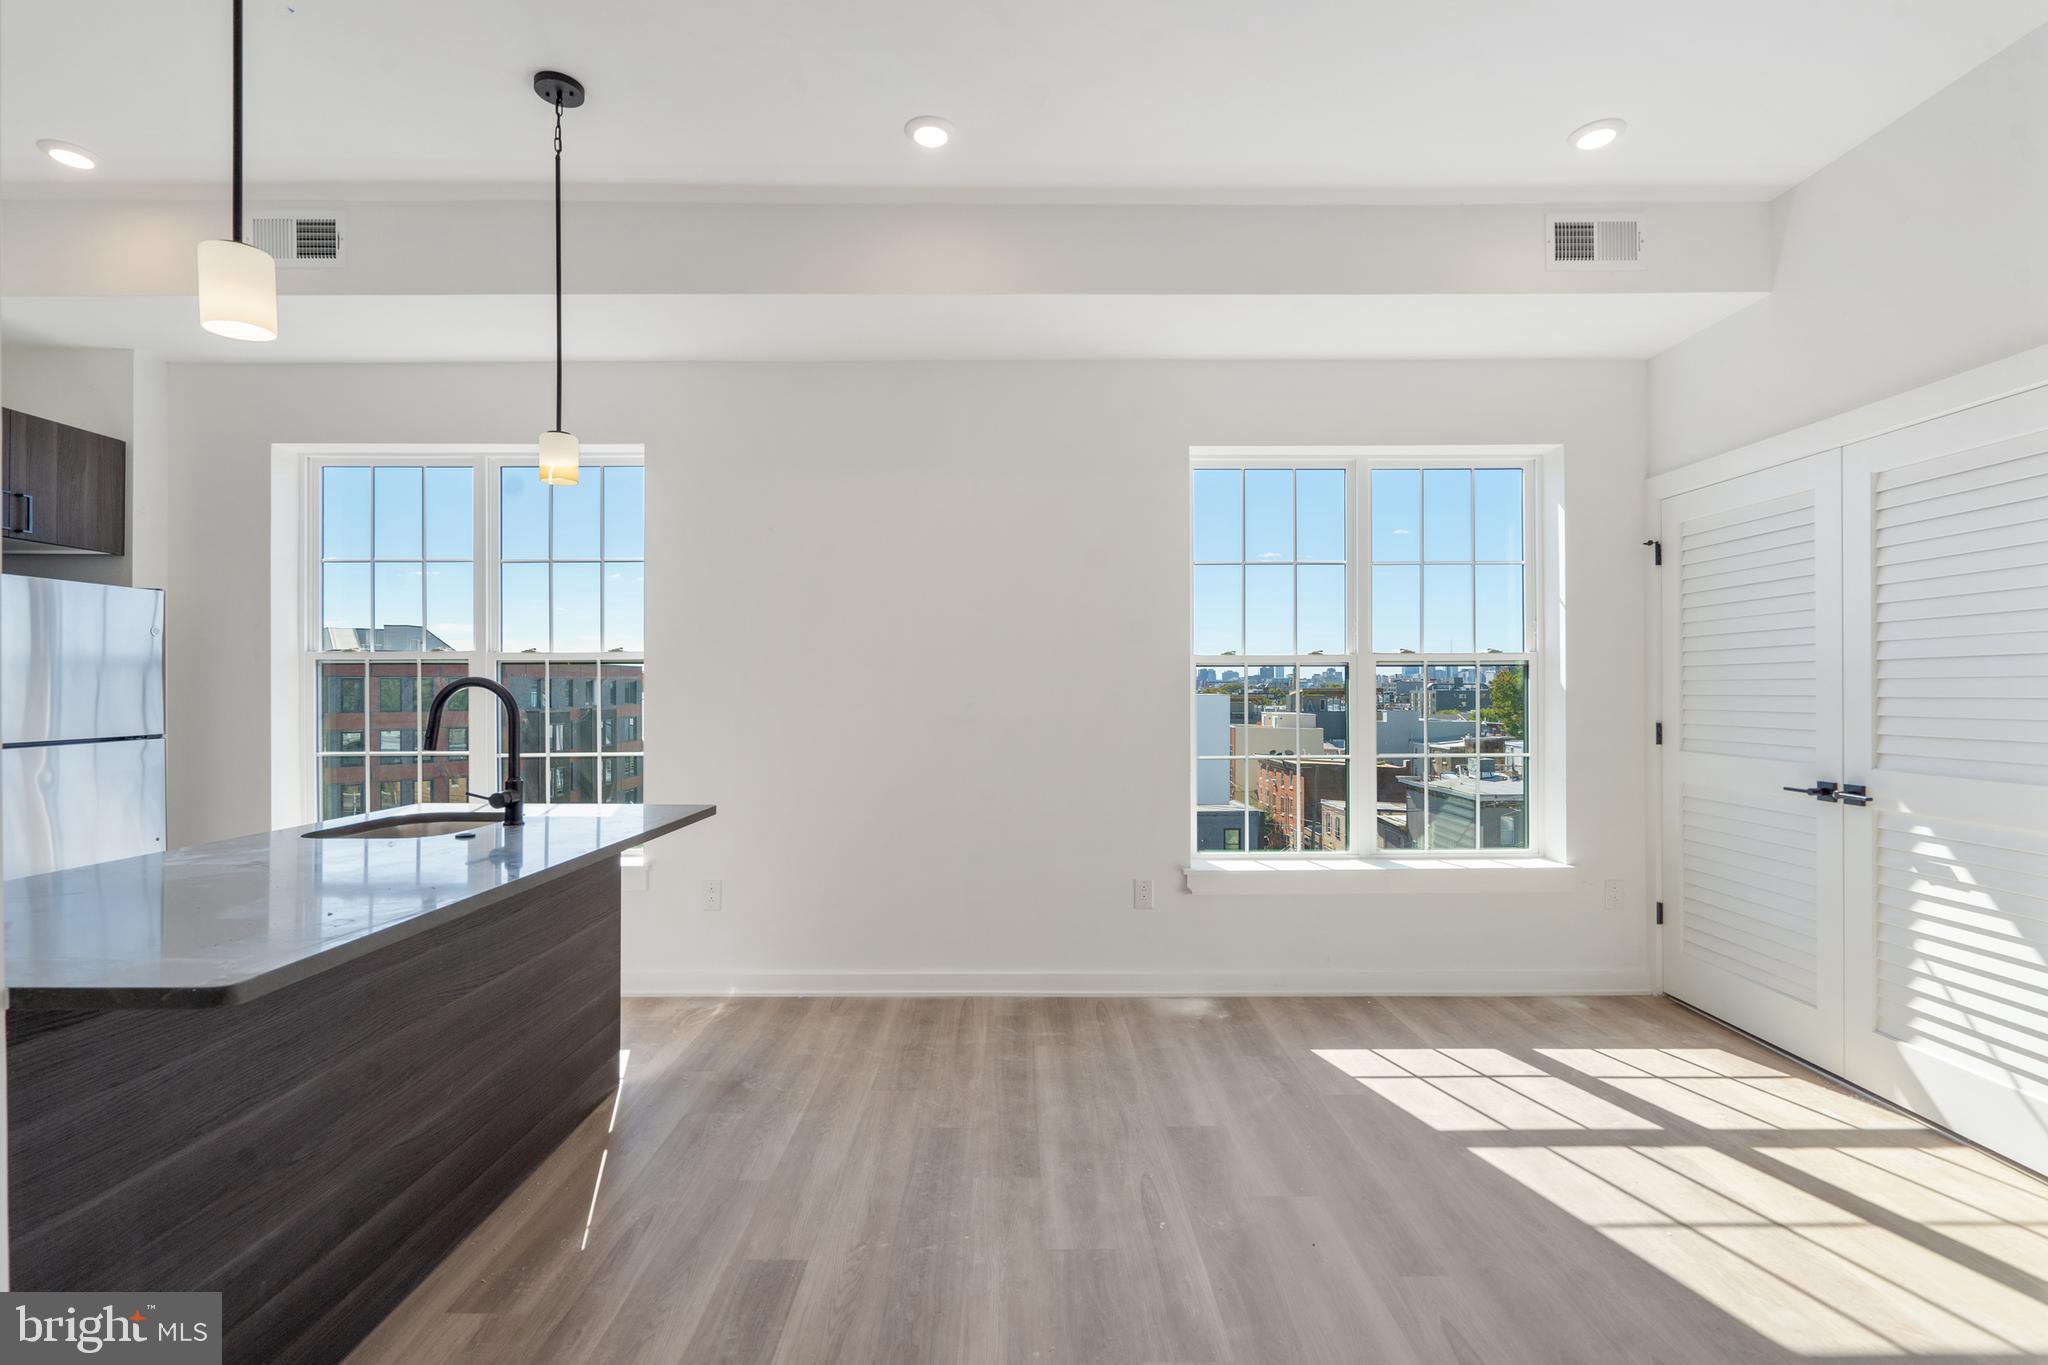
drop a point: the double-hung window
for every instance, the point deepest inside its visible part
(1363, 642)
(425, 569)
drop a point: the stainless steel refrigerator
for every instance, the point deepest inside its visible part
(81, 723)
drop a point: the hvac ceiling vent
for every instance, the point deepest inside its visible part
(1596, 241)
(309, 239)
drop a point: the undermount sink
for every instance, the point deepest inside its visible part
(409, 826)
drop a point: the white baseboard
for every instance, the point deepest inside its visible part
(1400, 981)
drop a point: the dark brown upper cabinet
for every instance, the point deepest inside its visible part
(61, 486)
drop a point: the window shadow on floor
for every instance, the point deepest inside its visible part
(1831, 1226)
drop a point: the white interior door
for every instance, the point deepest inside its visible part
(1752, 679)
(1946, 719)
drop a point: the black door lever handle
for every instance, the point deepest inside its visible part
(1819, 791)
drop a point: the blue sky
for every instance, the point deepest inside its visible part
(405, 534)
(1257, 531)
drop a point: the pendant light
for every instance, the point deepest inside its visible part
(237, 282)
(559, 452)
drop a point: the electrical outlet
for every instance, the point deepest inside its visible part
(1141, 894)
(711, 896)
(1611, 897)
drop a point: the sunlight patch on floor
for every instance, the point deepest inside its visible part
(1812, 1277)
(1715, 1089)
(1812, 1273)
(1476, 1090)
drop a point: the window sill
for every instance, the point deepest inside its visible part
(1356, 876)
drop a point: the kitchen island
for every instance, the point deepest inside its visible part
(297, 1070)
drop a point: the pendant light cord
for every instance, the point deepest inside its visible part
(237, 234)
(558, 259)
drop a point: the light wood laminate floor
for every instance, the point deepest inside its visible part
(1280, 1181)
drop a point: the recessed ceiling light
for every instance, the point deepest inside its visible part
(1594, 136)
(929, 132)
(68, 154)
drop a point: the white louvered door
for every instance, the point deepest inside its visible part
(1946, 722)
(1752, 682)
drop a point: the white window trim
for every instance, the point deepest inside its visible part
(295, 605)
(1545, 864)
(1331, 875)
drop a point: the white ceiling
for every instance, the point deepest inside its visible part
(494, 327)
(1082, 94)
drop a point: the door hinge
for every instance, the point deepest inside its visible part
(1660, 912)
(1656, 552)
(1660, 732)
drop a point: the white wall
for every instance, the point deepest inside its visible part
(999, 549)
(149, 475)
(1920, 254)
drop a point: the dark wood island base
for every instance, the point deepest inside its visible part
(313, 1153)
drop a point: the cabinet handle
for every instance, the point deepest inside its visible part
(28, 514)
(14, 526)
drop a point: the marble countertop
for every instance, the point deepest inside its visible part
(220, 924)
